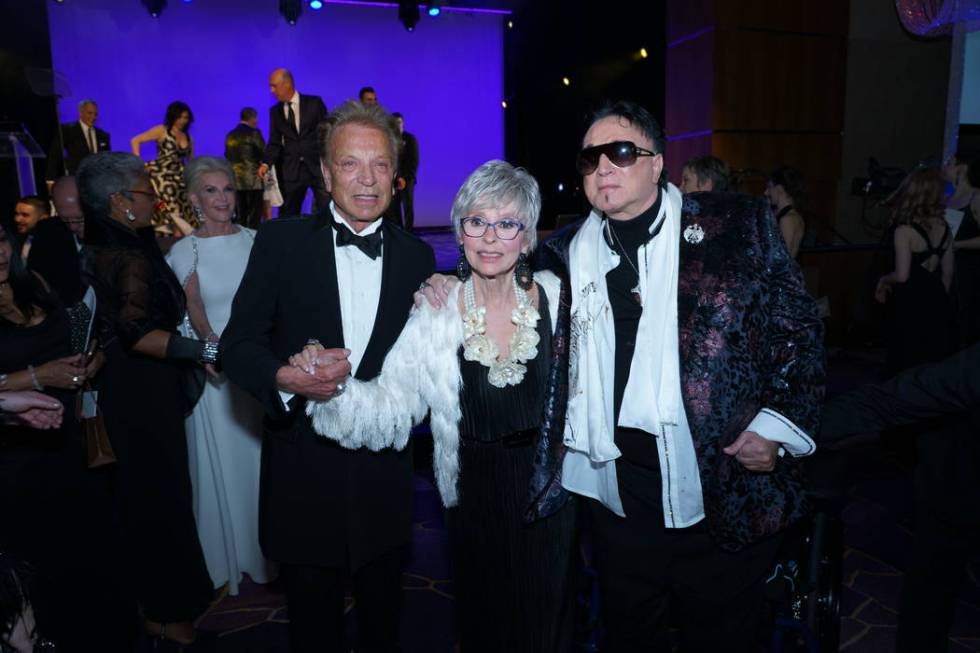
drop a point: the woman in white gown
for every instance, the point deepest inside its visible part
(224, 430)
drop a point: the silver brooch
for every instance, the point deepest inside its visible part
(694, 234)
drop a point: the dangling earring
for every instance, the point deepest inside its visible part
(199, 213)
(462, 266)
(130, 216)
(522, 273)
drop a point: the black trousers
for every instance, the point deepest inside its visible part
(294, 192)
(315, 599)
(645, 570)
(250, 208)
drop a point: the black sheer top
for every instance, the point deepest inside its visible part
(137, 291)
(490, 413)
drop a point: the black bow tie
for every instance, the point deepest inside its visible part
(370, 244)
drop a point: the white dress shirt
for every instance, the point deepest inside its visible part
(91, 138)
(359, 285)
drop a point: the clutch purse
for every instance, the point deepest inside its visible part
(98, 448)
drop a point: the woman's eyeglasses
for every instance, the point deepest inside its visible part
(621, 154)
(476, 227)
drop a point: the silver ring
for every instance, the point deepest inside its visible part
(424, 285)
(313, 341)
(340, 390)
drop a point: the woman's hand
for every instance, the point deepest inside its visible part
(882, 290)
(67, 373)
(34, 409)
(306, 359)
(435, 290)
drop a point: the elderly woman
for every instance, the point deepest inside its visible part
(492, 369)
(224, 430)
(146, 390)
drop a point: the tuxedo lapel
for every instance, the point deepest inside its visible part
(324, 288)
(390, 303)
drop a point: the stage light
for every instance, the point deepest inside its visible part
(510, 24)
(561, 187)
(408, 14)
(290, 10)
(155, 7)
(316, 4)
(643, 53)
(566, 81)
(435, 7)
(504, 104)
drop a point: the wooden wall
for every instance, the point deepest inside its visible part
(759, 83)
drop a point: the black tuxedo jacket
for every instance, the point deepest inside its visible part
(293, 151)
(75, 149)
(320, 504)
(408, 158)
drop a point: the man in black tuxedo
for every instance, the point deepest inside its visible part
(79, 139)
(292, 145)
(402, 209)
(345, 279)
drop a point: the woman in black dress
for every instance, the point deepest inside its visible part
(142, 398)
(56, 513)
(917, 289)
(491, 367)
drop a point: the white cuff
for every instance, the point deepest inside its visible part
(777, 428)
(286, 397)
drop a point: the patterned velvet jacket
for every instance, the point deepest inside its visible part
(749, 339)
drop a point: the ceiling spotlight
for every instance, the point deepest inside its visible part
(316, 4)
(503, 103)
(155, 7)
(510, 24)
(566, 81)
(290, 10)
(408, 14)
(435, 7)
(643, 53)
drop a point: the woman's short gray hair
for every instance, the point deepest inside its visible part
(496, 184)
(201, 165)
(102, 175)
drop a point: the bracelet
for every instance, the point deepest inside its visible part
(210, 352)
(37, 384)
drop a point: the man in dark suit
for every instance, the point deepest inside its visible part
(402, 210)
(244, 147)
(78, 140)
(292, 145)
(326, 512)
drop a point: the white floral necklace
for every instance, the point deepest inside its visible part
(479, 347)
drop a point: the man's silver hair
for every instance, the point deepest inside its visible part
(86, 102)
(200, 166)
(355, 113)
(102, 175)
(495, 185)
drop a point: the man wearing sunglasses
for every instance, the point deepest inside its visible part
(695, 383)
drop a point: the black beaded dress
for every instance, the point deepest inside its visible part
(512, 579)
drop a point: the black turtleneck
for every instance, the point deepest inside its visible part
(631, 235)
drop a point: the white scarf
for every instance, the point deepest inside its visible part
(590, 424)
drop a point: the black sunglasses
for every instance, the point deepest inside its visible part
(621, 154)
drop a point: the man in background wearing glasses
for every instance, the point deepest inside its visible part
(696, 381)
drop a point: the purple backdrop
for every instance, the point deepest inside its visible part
(216, 55)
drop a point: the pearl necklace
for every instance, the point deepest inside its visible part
(479, 347)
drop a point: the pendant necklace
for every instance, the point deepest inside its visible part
(635, 290)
